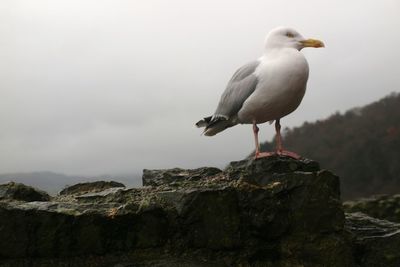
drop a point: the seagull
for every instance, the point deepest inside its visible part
(265, 90)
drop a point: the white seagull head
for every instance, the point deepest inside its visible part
(285, 37)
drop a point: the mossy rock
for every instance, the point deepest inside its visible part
(83, 188)
(18, 191)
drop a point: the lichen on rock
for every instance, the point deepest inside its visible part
(88, 187)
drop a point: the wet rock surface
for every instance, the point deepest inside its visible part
(386, 207)
(375, 242)
(266, 212)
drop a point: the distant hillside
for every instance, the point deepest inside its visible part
(53, 182)
(362, 146)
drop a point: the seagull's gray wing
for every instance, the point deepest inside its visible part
(239, 88)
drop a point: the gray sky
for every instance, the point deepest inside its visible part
(110, 86)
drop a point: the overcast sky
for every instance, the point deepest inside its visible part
(109, 86)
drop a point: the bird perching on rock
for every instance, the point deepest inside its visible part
(266, 89)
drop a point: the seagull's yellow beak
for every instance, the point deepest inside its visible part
(312, 43)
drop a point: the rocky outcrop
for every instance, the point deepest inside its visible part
(17, 191)
(266, 212)
(375, 242)
(87, 187)
(176, 175)
(385, 207)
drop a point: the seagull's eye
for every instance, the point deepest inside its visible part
(289, 34)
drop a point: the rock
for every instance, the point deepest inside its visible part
(385, 207)
(160, 177)
(261, 171)
(83, 188)
(265, 212)
(17, 191)
(375, 242)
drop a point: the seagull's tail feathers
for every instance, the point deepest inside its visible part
(215, 124)
(204, 122)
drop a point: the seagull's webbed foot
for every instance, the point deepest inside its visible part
(283, 153)
(287, 154)
(264, 155)
(279, 149)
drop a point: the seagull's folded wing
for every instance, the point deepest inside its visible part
(240, 87)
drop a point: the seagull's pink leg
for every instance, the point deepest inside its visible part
(255, 132)
(278, 136)
(279, 148)
(259, 154)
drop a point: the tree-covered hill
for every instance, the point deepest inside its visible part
(362, 146)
